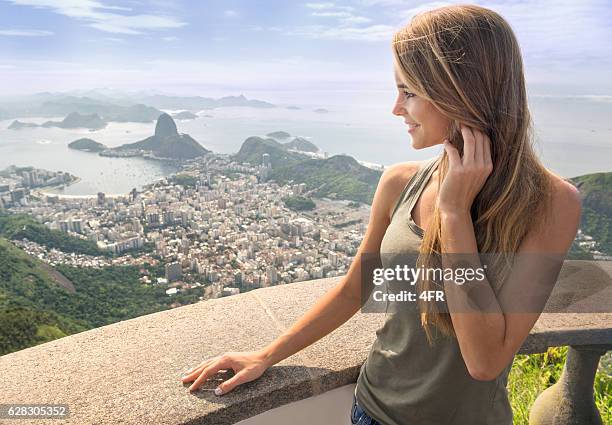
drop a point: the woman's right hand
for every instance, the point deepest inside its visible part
(247, 367)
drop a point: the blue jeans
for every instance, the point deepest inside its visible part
(359, 416)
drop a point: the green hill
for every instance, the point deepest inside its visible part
(596, 220)
(25, 287)
(301, 144)
(254, 147)
(19, 226)
(35, 307)
(339, 177)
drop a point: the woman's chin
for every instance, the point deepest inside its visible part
(416, 144)
(419, 144)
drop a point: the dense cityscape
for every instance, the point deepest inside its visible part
(216, 224)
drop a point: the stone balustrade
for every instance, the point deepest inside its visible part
(129, 372)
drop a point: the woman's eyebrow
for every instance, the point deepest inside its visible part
(402, 86)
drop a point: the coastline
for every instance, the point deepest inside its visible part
(44, 191)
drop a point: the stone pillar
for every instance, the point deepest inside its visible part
(570, 400)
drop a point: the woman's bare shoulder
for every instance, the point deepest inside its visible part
(562, 218)
(564, 195)
(566, 201)
(394, 180)
(399, 173)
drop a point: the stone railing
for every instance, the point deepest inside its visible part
(129, 372)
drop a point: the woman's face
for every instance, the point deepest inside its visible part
(431, 126)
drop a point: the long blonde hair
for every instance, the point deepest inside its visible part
(466, 60)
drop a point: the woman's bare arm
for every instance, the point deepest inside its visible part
(330, 311)
(489, 338)
(341, 302)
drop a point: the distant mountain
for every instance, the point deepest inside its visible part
(199, 102)
(339, 177)
(279, 135)
(112, 105)
(596, 219)
(184, 115)
(18, 125)
(165, 143)
(76, 120)
(57, 104)
(107, 111)
(86, 144)
(132, 113)
(301, 144)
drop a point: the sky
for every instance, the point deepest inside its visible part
(231, 47)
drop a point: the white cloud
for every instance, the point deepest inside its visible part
(355, 20)
(25, 33)
(370, 33)
(343, 15)
(230, 13)
(319, 5)
(94, 13)
(170, 38)
(327, 6)
(338, 14)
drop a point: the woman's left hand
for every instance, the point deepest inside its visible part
(466, 176)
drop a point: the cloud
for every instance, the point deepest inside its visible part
(230, 13)
(189, 76)
(25, 33)
(370, 33)
(355, 20)
(96, 15)
(343, 15)
(327, 5)
(338, 14)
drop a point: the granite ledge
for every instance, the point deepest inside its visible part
(128, 372)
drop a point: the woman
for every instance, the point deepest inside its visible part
(460, 83)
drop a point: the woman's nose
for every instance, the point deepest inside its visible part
(398, 108)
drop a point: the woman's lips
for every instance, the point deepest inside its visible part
(411, 127)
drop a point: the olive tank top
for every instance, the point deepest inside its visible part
(404, 381)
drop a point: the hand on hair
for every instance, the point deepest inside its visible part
(466, 175)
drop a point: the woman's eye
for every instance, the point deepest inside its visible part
(408, 94)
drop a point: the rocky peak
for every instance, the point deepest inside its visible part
(165, 126)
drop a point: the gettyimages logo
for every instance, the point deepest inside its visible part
(485, 283)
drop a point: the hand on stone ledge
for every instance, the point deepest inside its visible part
(247, 367)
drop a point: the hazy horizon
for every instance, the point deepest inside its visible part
(214, 50)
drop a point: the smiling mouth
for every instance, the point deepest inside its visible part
(412, 126)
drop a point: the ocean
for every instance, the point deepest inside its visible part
(573, 137)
